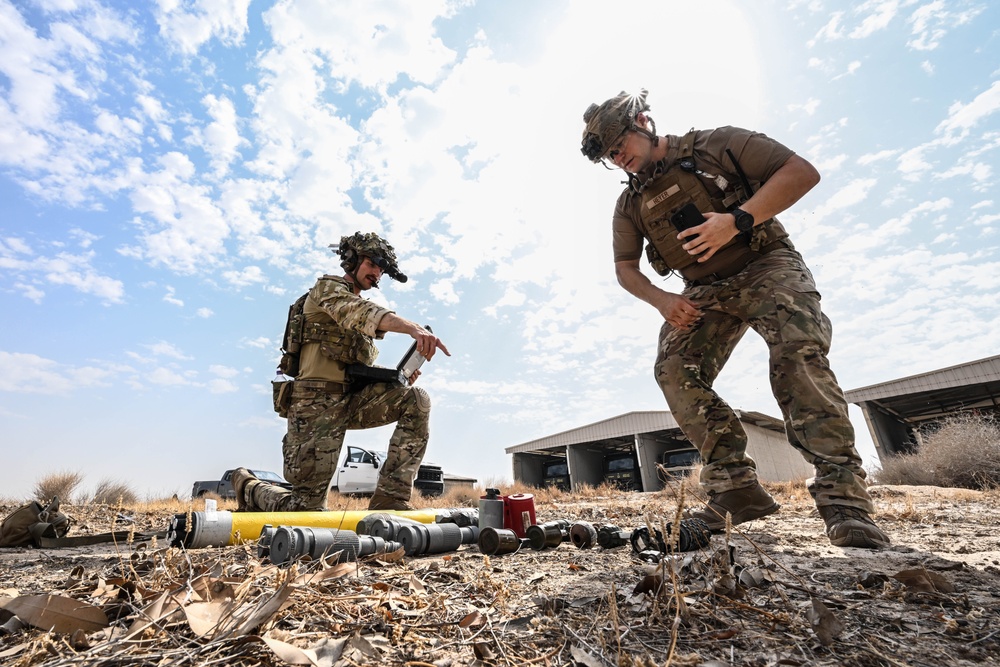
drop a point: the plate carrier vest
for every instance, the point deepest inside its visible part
(335, 342)
(676, 184)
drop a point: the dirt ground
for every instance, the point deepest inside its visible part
(775, 592)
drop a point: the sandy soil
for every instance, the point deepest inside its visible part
(774, 593)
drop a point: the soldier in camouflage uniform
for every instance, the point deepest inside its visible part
(740, 271)
(341, 326)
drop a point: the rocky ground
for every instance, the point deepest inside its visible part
(772, 593)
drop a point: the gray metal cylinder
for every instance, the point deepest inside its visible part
(291, 542)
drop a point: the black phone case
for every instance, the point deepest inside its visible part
(687, 217)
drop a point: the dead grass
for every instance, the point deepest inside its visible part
(62, 484)
(962, 451)
(112, 492)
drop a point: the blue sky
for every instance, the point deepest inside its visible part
(172, 172)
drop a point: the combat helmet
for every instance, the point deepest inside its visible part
(352, 248)
(608, 121)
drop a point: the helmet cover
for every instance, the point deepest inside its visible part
(608, 121)
(371, 245)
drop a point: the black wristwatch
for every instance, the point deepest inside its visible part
(744, 221)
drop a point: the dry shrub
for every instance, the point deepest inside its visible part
(962, 451)
(114, 492)
(460, 496)
(62, 484)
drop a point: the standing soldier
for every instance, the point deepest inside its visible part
(740, 270)
(338, 328)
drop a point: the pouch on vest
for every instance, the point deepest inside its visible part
(29, 523)
(282, 396)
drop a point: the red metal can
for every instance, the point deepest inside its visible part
(519, 512)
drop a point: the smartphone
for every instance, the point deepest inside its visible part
(687, 217)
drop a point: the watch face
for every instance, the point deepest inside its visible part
(744, 221)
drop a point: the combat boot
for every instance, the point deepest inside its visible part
(746, 504)
(240, 478)
(381, 501)
(852, 527)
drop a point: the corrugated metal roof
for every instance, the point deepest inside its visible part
(614, 427)
(970, 373)
(627, 424)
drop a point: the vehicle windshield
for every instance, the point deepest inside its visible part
(626, 463)
(267, 476)
(556, 469)
(688, 458)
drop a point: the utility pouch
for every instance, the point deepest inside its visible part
(29, 523)
(281, 394)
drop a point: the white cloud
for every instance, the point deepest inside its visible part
(221, 138)
(64, 269)
(220, 386)
(47, 376)
(204, 313)
(165, 349)
(964, 117)
(248, 276)
(882, 12)
(188, 24)
(171, 299)
(223, 371)
(371, 44)
(931, 21)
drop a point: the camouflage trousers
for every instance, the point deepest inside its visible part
(776, 297)
(317, 424)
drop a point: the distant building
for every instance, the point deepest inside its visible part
(896, 410)
(626, 450)
(457, 481)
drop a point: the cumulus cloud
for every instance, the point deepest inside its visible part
(188, 24)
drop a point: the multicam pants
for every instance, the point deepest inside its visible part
(777, 297)
(317, 424)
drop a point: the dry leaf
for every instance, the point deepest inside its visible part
(482, 651)
(924, 581)
(265, 611)
(584, 658)
(332, 572)
(293, 655)
(57, 613)
(160, 609)
(651, 583)
(826, 626)
(472, 620)
(417, 586)
(204, 617)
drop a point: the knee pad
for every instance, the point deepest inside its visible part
(421, 399)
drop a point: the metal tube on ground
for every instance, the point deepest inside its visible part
(499, 541)
(289, 543)
(222, 528)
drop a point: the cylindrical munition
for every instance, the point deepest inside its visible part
(499, 541)
(222, 527)
(583, 534)
(612, 537)
(285, 544)
(547, 535)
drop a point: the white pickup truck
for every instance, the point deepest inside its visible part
(359, 470)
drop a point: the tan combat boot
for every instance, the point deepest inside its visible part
(381, 501)
(746, 504)
(852, 527)
(240, 478)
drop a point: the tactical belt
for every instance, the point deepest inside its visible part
(736, 268)
(321, 385)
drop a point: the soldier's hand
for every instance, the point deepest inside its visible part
(413, 376)
(428, 343)
(706, 239)
(679, 311)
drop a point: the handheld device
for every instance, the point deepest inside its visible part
(687, 217)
